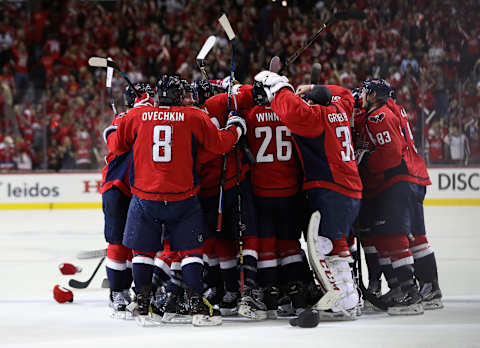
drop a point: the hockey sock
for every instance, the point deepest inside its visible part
(267, 261)
(371, 259)
(425, 264)
(142, 268)
(212, 275)
(250, 257)
(230, 278)
(291, 260)
(396, 247)
(192, 272)
(116, 266)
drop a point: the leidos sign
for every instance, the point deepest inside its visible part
(50, 191)
(456, 186)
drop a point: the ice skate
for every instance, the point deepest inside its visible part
(203, 313)
(405, 301)
(431, 295)
(176, 310)
(251, 304)
(229, 304)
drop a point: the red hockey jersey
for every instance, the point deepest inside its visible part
(211, 166)
(323, 138)
(115, 172)
(394, 157)
(276, 172)
(164, 141)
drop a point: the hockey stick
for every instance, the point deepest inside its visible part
(91, 254)
(275, 64)
(82, 285)
(315, 75)
(108, 85)
(224, 22)
(339, 16)
(374, 300)
(99, 62)
(206, 48)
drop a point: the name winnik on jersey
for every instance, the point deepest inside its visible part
(163, 116)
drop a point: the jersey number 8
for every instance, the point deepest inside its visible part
(162, 143)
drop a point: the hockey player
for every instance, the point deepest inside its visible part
(116, 194)
(425, 265)
(276, 187)
(321, 131)
(250, 303)
(393, 184)
(164, 204)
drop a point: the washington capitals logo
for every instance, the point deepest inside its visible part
(377, 118)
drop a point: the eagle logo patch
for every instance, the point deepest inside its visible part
(377, 118)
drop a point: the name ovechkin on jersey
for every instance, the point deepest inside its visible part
(163, 116)
(267, 116)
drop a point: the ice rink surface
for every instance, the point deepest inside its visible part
(34, 243)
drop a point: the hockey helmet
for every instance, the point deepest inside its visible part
(202, 90)
(170, 90)
(381, 88)
(129, 95)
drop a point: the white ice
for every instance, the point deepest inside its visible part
(34, 243)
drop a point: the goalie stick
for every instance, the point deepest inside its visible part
(99, 62)
(206, 48)
(339, 16)
(82, 285)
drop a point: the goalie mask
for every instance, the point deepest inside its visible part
(170, 90)
(202, 90)
(129, 95)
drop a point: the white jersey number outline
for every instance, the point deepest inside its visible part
(160, 142)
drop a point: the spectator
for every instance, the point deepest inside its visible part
(458, 147)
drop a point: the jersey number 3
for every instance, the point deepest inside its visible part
(284, 147)
(343, 132)
(162, 143)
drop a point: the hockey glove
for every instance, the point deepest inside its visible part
(272, 83)
(235, 119)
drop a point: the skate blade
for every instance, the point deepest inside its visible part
(369, 308)
(272, 314)
(229, 312)
(338, 316)
(415, 309)
(144, 321)
(433, 304)
(175, 318)
(121, 315)
(247, 312)
(156, 317)
(206, 320)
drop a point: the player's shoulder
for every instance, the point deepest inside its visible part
(380, 115)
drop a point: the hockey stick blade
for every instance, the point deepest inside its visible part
(275, 64)
(207, 47)
(91, 254)
(316, 70)
(82, 285)
(99, 62)
(224, 22)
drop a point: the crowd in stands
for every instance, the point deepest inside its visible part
(53, 106)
